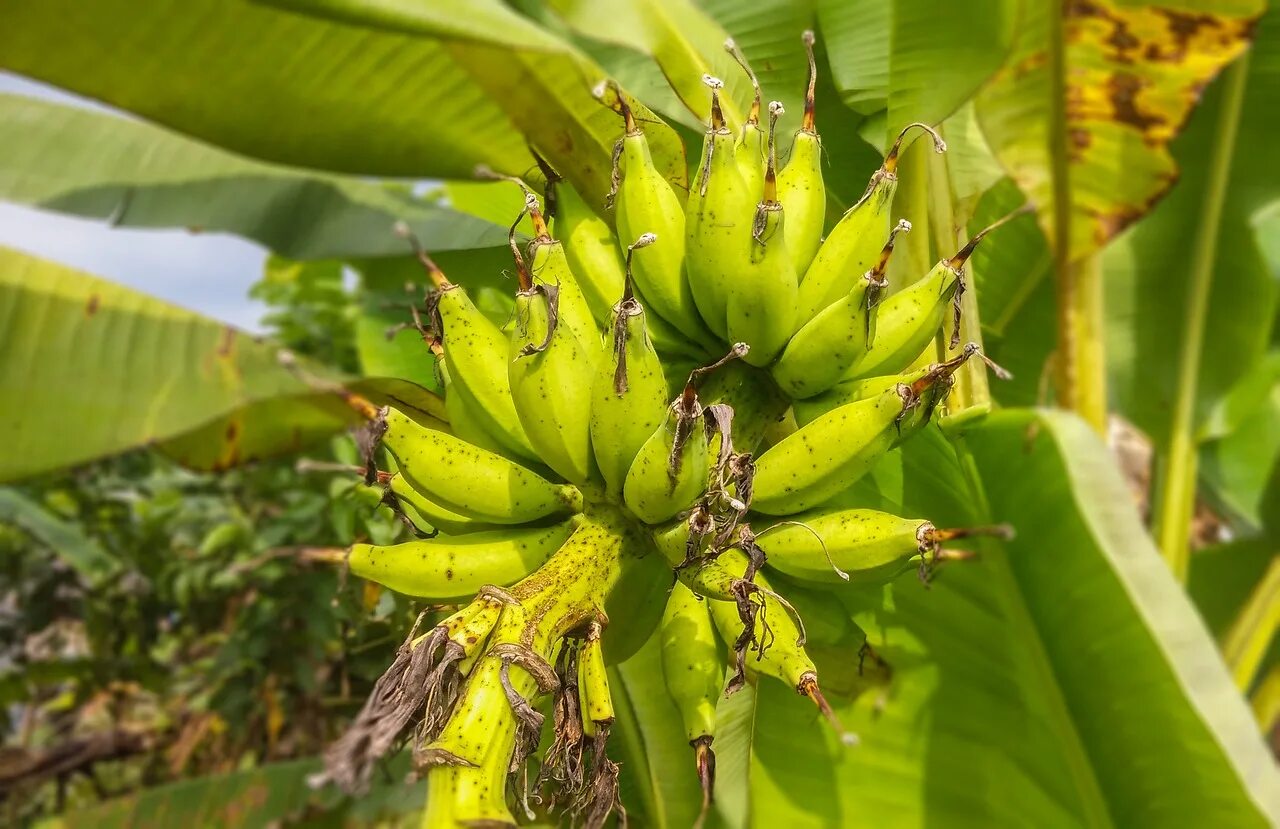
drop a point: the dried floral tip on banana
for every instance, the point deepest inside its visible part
(762, 299)
(549, 266)
(854, 243)
(826, 347)
(645, 202)
(750, 150)
(800, 186)
(718, 221)
(629, 394)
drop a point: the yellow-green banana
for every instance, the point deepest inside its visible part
(851, 247)
(825, 347)
(777, 643)
(593, 683)
(446, 568)
(469, 480)
(478, 394)
(750, 149)
(670, 470)
(551, 373)
(800, 187)
(755, 399)
(591, 250)
(693, 671)
(421, 510)
(718, 223)
(826, 456)
(762, 301)
(629, 396)
(646, 203)
(859, 546)
(548, 265)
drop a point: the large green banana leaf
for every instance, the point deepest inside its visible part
(1063, 679)
(88, 369)
(101, 166)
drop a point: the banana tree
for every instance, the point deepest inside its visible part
(708, 453)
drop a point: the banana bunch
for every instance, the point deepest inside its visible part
(687, 388)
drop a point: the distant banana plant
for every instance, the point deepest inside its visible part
(658, 484)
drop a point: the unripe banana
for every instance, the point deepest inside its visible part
(693, 672)
(853, 390)
(859, 546)
(593, 683)
(750, 150)
(852, 245)
(646, 203)
(762, 301)
(823, 350)
(629, 396)
(447, 568)
(478, 394)
(754, 397)
(826, 456)
(591, 250)
(423, 511)
(778, 641)
(548, 265)
(670, 470)
(909, 320)
(551, 372)
(718, 223)
(800, 187)
(469, 480)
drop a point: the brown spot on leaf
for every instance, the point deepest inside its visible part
(233, 431)
(1079, 140)
(91, 307)
(228, 344)
(1123, 89)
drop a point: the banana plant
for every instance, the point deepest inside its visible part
(733, 527)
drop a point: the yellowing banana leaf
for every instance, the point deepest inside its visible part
(918, 60)
(1061, 679)
(133, 174)
(268, 83)
(89, 369)
(1082, 112)
(546, 91)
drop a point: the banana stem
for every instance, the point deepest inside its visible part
(1175, 498)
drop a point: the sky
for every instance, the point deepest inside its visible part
(206, 272)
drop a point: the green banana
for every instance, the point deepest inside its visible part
(851, 247)
(824, 348)
(777, 641)
(421, 510)
(693, 672)
(909, 320)
(548, 265)
(551, 373)
(629, 395)
(591, 251)
(826, 456)
(646, 203)
(860, 546)
(477, 389)
(718, 223)
(800, 186)
(852, 390)
(469, 480)
(750, 150)
(670, 470)
(593, 683)
(446, 569)
(762, 302)
(754, 397)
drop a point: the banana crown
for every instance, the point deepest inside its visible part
(576, 464)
